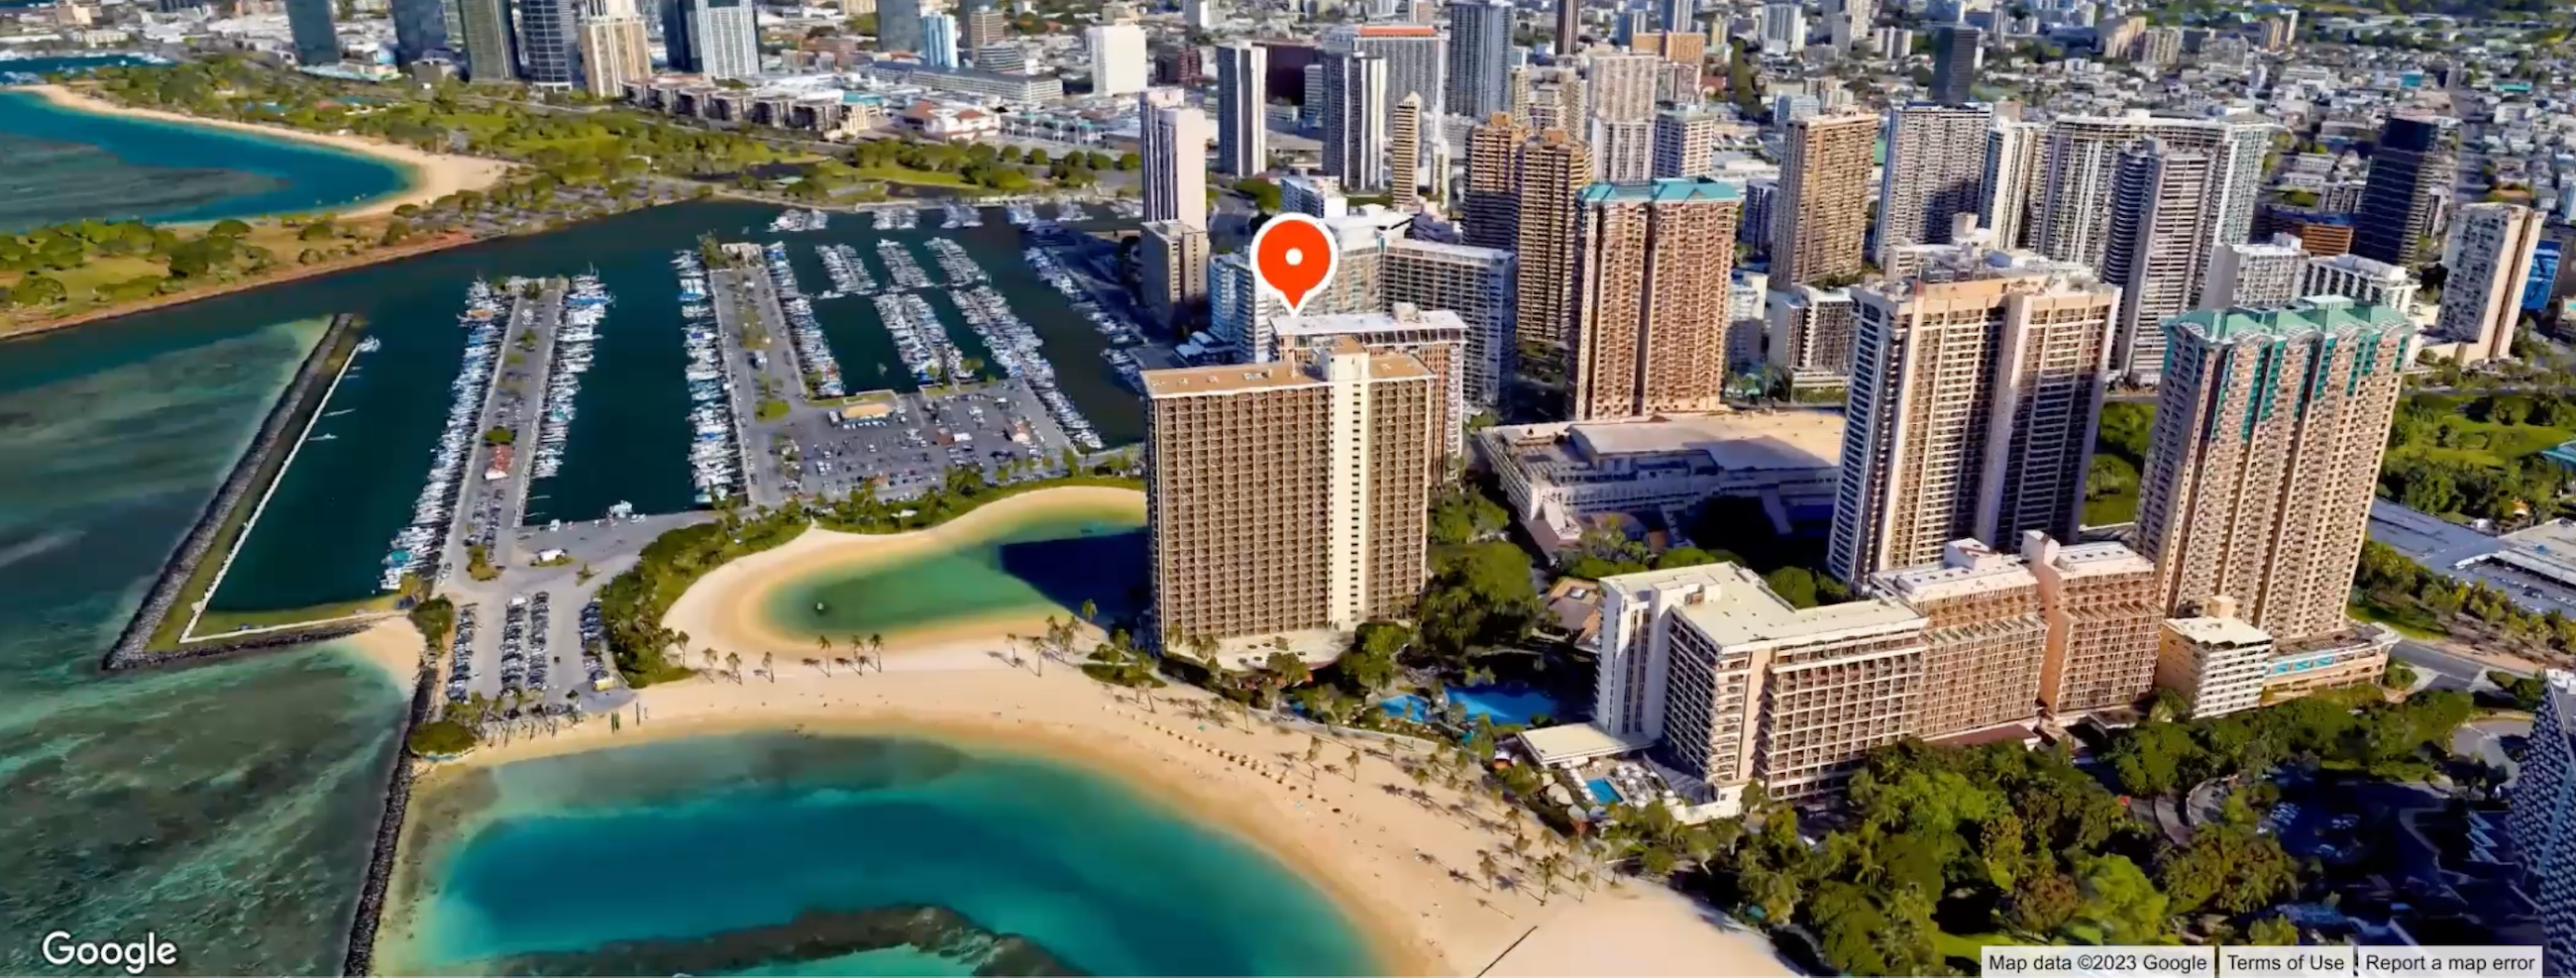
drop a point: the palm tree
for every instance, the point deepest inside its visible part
(733, 664)
(1355, 765)
(765, 660)
(876, 644)
(825, 641)
(710, 655)
(1485, 867)
(1090, 610)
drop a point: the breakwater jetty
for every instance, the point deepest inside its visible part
(360, 958)
(154, 635)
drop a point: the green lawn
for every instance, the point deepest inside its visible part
(2411, 622)
(917, 178)
(2111, 509)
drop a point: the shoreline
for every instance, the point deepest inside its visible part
(728, 608)
(20, 329)
(427, 176)
(1399, 860)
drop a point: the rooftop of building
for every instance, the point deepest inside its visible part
(2100, 559)
(1794, 439)
(1405, 325)
(2216, 630)
(2315, 314)
(1671, 190)
(1734, 608)
(1229, 379)
(1967, 568)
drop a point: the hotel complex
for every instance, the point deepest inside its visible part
(1288, 496)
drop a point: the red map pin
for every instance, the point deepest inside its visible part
(1294, 256)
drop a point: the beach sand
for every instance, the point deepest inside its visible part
(728, 609)
(432, 175)
(1403, 860)
(392, 645)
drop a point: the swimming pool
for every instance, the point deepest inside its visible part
(1504, 704)
(1602, 791)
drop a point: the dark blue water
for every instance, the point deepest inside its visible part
(66, 165)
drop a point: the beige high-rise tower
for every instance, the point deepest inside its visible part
(1553, 168)
(1650, 297)
(1936, 171)
(2264, 456)
(2103, 620)
(1289, 496)
(1820, 223)
(1404, 153)
(2163, 216)
(614, 48)
(1974, 394)
(2491, 259)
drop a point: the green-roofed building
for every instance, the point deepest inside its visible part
(2269, 428)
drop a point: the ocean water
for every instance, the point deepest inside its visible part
(66, 165)
(226, 807)
(670, 847)
(1043, 562)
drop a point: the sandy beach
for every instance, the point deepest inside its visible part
(392, 645)
(432, 175)
(725, 609)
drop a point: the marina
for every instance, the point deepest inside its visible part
(414, 551)
(822, 374)
(715, 446)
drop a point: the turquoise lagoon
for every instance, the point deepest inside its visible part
(714, 855)
(68, 165)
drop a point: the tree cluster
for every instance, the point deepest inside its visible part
(2385, 740)
(2391, 580)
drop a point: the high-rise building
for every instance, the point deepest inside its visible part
(726, 35)
(1475, 283)
(1201, 15)
(1569, 27)
(1676, 17)
(1954, 62)
(1783, 28)
(1480, 58)
(979, 25)
(2540, 817)
(2265, 454)
(1489, 207)
(939, 41)
(1622, 152)
(1974, 394)
(614, 47)
(1620, 87)
(2412, 165)
(1652, 262)
(1820, 224)
(679, 51)
(1119, 62)
(1242, 138)
(2367, 282)
(899, 25)
(1554, 169)
(420, 27)
(1355, 119)
(1936, 171)
(2158, 248)
(1415, 56)
(2261, 275)
(2080, 170)
(491, 43)
(1983, 639)
(1686, 142)
(1404, 154)
(1810, 336)
(549, 43)
(2482, 301)
(1172, 140)
(1175, 274)
(2103, 624)
(1436, 338)
(1310, 107)
(2009, 189)
(1847, 21)
(1288, 496)
(317, 40)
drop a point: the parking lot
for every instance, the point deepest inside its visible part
(999, 427)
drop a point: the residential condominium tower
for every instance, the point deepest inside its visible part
(1489, 206)
(1242, 136)
(1355, 120)
(2007, 193)
(491, 44)
(1173, 141)
(2540, 816)
(1973, 401)
(2080, 172)
(550, 43)
(2482, 301)
(1289, 496)
(1651, 271)
(1936, 167)
(1480, 58)
(2411, 168)
(899, 25)
(317, 40)
(2161, 221)
(725, 35)
(1821, 220)
(614, 47)
(2264, 457)
(1553, 170)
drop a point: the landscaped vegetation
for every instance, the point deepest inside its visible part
(2478, 456)
(2119, 456)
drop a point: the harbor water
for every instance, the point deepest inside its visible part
(68, 165)
(323, 539)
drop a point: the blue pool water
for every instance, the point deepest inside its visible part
(1504, 704)
(1602, 791)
